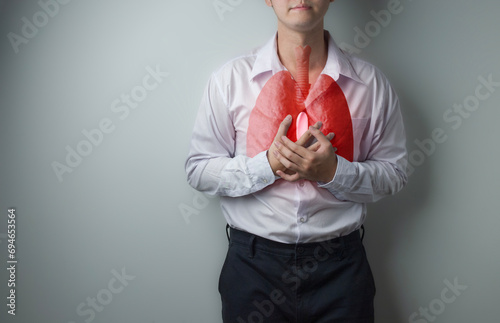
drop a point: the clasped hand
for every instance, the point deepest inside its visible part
(303, 159)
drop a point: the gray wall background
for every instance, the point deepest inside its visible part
(125, 210)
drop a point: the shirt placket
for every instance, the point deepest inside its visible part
(302, 188)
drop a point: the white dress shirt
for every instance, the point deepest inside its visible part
(252, 198)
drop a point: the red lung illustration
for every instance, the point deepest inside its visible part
(282, 95)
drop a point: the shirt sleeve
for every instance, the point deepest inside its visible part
(383, 172)
(211, 165)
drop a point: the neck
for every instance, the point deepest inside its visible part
(289, 40)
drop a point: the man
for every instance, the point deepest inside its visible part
(295, 206)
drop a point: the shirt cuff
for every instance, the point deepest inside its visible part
(263, 174)
(342, 180)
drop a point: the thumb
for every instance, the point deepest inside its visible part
(283, 128)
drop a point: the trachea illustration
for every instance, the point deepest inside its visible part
(302, 90)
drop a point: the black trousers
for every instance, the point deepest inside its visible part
(267, 281)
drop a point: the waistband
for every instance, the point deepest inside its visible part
(253, 241)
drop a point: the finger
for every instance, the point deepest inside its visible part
(284, 126)
(305, 139)
(291, 148)
(322, 139)
(284, 161)
(315, 147)
(317, 144)
(286, 156)
(330, 136)
(318, 125)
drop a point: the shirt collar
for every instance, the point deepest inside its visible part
(337, 64)
(267, 59)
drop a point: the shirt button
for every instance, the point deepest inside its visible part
(302, 219)
(265, 181)
(301, 184)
